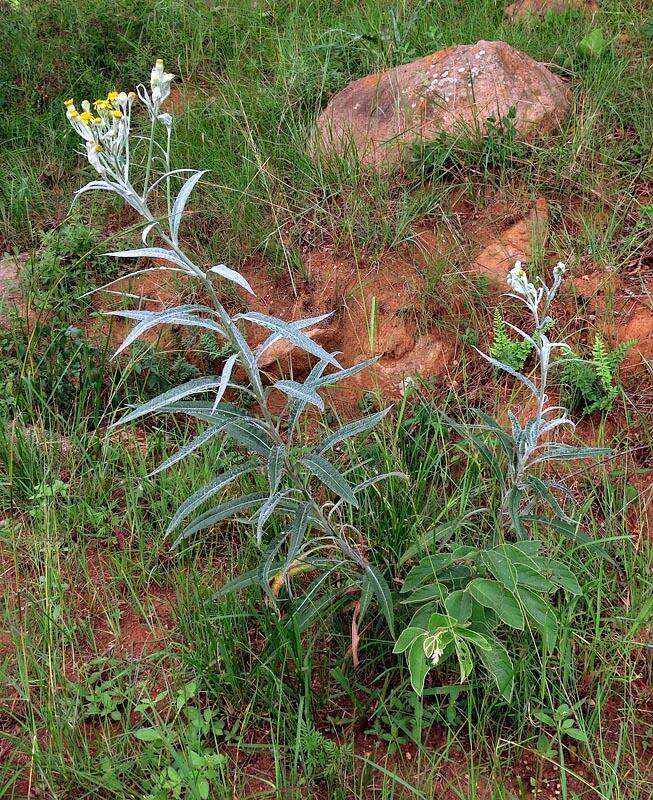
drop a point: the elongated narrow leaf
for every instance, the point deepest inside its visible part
(266, 511)
(297, 534)
(242, 581)
(298, 406)
(250, 360)
(152, 252)
(180, 203)
(140, 314)
(351, 429)
(298, 324)
(224, 379)
(159, 403)
(147, 230)
(206, 410)
(381, 590)
(291, 334)
(193, 445)
(207, 491)
(377, 479)
(109, 187)
(251, 433)
(342, 374)
(299, 391)
(275, 467)
(329, 475)
(227, 510)
(231, 275)
(265, 572)
(510, 371)
(557, 452)
(170, 317)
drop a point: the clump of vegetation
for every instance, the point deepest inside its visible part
(85, 565)
(297, 531)
(512, 352)
(465, 594)
(592, 384)
(64, 267)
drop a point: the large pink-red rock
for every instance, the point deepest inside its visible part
(454, 90)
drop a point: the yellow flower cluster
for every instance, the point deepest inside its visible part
(104, 107)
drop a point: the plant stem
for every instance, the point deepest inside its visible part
(150, 152)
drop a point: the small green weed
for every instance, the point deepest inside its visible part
(591, 384)
(512, 352)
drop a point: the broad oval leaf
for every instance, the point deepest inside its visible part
(495, 596)
(499, 664)
(406, 638)
(501, 567)
(459, 605)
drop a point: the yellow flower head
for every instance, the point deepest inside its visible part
(97, 120)
(112, 96)
(116, 114)
(86, 116)
(159, 62)
(98, 148)
(68, 103)
(72, 112)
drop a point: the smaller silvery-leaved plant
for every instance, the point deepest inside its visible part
(314, 535)
(464, 594)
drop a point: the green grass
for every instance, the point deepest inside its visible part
(98, 616)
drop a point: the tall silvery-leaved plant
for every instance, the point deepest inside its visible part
(314, 534)
(464, 595)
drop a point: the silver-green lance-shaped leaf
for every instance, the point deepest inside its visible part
(208, 490)
(231, 275)
(180, 203)
(199, 440)
(330, 476)
(299, 391)
(351, 429)
(196, 386)
(291, 334)
(227, 510)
